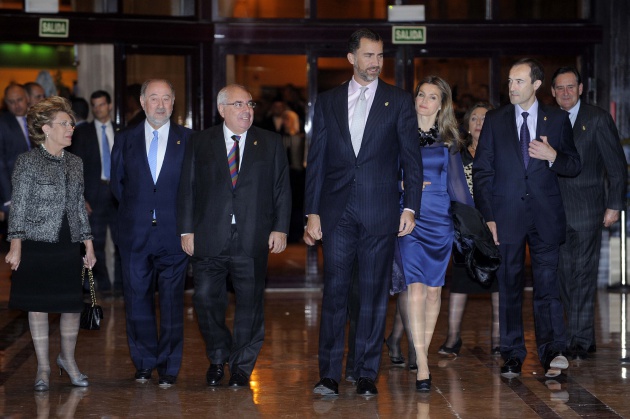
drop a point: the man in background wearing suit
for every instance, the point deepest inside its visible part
(234, 206)
(146, 166)
(93, 142)
(363, 131)
(14, 140)
(522, 149)
(35, 93)
(592, 199)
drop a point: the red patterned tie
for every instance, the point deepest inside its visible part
(233, 157)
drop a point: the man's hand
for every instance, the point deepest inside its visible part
(611, 216)
(88, 208)
(314, 227)
(541, 150)
(308, 239)
(277, 242)
(188, 243)
(407, 223)
(493, 229)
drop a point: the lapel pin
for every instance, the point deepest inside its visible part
(545, 118)
(583, 128)
(179, 142)
(386, 103)
(255, 142)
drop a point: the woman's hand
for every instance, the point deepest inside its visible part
(89, 260)
(14, 256)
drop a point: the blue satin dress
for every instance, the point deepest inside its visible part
(425, 252)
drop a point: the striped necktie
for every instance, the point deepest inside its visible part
(233, 160)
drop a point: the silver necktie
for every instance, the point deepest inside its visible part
(358, 121)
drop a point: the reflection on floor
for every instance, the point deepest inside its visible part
(466, 387)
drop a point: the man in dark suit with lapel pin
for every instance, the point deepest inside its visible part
(146, 166)
(522, 149)
(234, 207)
(363, 132)
(93, 142)
(591, 199)
(14, 140)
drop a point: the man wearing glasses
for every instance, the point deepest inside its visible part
(234, 206)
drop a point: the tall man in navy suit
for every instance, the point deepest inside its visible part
(522, 149)
(14, 139)
(352, 204)
(234, 208)
(93, 142)
(146, 166)
(591, 200)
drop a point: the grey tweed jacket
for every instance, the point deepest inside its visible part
(45, 188)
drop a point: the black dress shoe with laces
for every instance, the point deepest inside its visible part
(214, 375)
(511, 368)
(143, 375)
(167, 380)
(238, 379)
(326, 387)
(366, 387)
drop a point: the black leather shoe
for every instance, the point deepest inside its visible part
(239, 379)
(351, 378)
(496, 351)
(578, 353)
(555, 362)
(167, 380)
(511, 368)
(326, 387)
(454, 350)
(214, 375)
(424, 385)
(413, 366)
(366, 387)
(142, 376)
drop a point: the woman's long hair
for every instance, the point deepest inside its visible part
(447, 123)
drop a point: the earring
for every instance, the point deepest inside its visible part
(46, 136)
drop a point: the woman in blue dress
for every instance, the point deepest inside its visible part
(425, 253)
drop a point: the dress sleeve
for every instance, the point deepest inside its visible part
(457, 185)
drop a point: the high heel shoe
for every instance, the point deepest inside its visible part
(454, 350)
(80, 380)
(424, 385)
(42, 380)
(396, 360)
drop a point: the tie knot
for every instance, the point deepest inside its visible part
(104, 126)
(525, 115)
(236, 138)
(362, 94)
(155, 135)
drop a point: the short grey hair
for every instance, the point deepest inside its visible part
(222, 97)
(146, 84)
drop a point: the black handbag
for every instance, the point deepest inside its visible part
(92, 313)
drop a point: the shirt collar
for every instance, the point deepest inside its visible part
(532, 111)
(227, 134)
(354, 86)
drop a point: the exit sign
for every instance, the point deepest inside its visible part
(409, 34)
(54, 28)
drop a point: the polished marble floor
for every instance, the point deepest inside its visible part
(466, 387)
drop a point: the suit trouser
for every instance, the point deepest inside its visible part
(141, 270)
(102, 217)
(579, 263)
(350, 239)
(548, 312)
(240, 348)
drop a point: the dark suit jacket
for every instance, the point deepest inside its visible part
(504, 189)
(390, 140)
(12, 144)
(85, 145)
(261, 200)
(603, 164)
(132, 185)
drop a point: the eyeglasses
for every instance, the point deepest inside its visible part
(238, 105)
(67, 124)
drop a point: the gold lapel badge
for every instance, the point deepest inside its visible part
(386, 103)
(545, 118)
(255, 142)
(583, 127)
(179, 142)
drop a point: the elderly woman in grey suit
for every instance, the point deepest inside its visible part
(48, 220)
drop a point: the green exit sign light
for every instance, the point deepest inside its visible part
(54, 28)
(409, 34)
